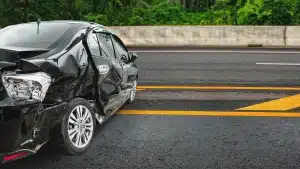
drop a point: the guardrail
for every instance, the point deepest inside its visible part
(209, 36)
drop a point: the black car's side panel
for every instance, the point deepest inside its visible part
(77, 79)
(50, 118)
(109, 81)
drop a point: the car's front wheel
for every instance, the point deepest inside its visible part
(78, 127)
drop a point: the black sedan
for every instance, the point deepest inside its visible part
(58, 80)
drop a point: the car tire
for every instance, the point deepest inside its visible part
(132, 92)
(73, 122)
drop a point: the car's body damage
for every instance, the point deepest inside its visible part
(27, 124)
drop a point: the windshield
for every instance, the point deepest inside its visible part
(26, 35)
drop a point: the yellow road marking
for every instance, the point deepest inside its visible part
(282, 104)
(207, 113)
(219, 87)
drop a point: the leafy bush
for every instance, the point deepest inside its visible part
(249, 14)
(297, 13)
(156, 12)
(166, 14)
(100, 18)
(278, 12)
(218, 17)
(269, 12)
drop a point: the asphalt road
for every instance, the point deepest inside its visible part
(185, 141)
(221, 68)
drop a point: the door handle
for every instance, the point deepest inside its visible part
(125, 66)
(103, 69)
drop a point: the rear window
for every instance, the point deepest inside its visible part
(26, 35)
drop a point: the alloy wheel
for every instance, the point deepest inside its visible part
(80, 126)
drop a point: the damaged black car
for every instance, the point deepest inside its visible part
(58, 80)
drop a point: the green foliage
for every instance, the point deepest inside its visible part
(297, 13)
(278, 12)
(249, 14)
(269, 12)
(155, 12)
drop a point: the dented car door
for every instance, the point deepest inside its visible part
(109, 80)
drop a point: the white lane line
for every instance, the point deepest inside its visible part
(216, 51)
(280, 64)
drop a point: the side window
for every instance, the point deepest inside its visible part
(93, 44)
(106, 44)
(119, 49)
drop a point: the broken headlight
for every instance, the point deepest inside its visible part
(31, 86)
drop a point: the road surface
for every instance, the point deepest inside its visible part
(230, 109)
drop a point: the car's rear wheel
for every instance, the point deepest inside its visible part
(78, 127)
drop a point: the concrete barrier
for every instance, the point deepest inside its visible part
(292, 36)
(209, 36)
(206, 36)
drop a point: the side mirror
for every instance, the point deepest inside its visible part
(124, 58)
(133, 56)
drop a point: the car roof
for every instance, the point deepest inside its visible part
(84, 24)
(75, 22)
(75, 25)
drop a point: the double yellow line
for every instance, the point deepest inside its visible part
(208, 113)
(218, 88)
(273, 108)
